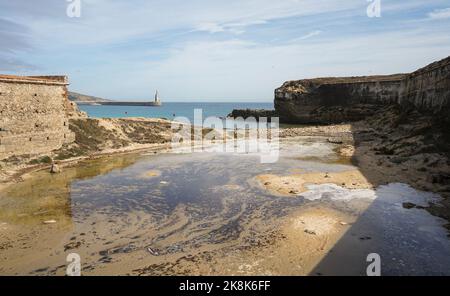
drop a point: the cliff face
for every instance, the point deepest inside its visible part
(76, 97)
(335, 100)
(428, 88)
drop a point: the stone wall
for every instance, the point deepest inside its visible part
(335, 100)
(34, 114)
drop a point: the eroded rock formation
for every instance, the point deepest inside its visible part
(335, 100)
(256, 113)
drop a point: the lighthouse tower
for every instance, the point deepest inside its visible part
(157, 101)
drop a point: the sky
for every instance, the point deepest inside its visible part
(219, 51)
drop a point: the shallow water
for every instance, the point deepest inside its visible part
(203, 213)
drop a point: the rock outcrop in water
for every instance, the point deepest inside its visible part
(256, 113)
(335, 100)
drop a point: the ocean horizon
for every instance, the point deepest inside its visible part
(171, 110)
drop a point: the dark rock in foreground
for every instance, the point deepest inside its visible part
(256, 113)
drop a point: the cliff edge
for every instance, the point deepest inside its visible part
(345, 99)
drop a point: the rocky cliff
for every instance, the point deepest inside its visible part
(77, 97)
(335, 100)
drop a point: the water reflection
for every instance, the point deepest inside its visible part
(49, 196)
(199, 213)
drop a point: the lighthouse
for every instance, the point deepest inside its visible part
(157, 99)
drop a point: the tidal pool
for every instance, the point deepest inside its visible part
(204, 214)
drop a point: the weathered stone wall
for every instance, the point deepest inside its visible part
(34, 115)
(335, 100)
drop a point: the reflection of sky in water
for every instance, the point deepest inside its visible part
(215, 189)
(200, 181)
(409, 241)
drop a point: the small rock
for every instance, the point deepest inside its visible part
(163, 182)
(408, 205)
(55, 169)
(49, 222)
(334, 141)
(72, 245)
(312, 232)
(154, 252)
(343, 223)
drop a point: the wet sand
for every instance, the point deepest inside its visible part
(211, 214)
(292, 185)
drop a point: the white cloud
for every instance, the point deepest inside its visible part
(440, 14)
(238, 69)
(210, 27)
(307, 36)
(235, 28)
(123, 49)
(104, 22)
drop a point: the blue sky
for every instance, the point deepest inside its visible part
(208, 50)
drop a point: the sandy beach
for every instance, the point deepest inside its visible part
(138, 214)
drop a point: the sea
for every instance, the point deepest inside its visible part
(170, 110)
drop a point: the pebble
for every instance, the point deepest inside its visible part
(343, 223)
(50, 222)
(163, 182)
(310, 232)
(55, 169)
(154, 252)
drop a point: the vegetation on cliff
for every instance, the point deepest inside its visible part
(97, 135)
(77, 97)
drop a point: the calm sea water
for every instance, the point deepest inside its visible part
(170, 110)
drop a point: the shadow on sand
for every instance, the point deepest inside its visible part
(397, 225)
